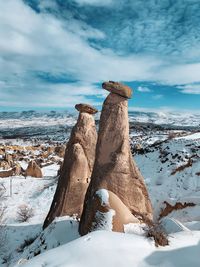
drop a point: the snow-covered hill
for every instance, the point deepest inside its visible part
(169, 159)
(57, 125)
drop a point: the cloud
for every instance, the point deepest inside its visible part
(143, 89)
(190, 89)
(88, 43)
(94, 2)
(51, 95)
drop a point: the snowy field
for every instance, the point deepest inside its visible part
(170, 164)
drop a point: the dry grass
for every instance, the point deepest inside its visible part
(157, 233)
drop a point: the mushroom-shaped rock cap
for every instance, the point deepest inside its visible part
(86, 108)
(118, 88)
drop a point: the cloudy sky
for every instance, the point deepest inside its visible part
(56, 53)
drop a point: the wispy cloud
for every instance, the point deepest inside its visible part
(143, 89)
(87, 42)
(190, 89)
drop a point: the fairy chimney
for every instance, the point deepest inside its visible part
(33, 170)
(77, 167)
(115, 172)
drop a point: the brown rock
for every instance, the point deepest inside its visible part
(118, 88)
(50, 149)
(7, 173)
(9, 159)
(86, 108)
(60, 151)
(114, 168)
(33, 170)
(17, 169)
(4, 165)
(76, 170)
(2, 152)
(14, 171)
(109, 212)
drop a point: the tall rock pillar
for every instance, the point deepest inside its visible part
(117, 194)
(77, 167)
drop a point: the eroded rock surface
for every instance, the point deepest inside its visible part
(114, 169)
(33, 170)
(76, 169)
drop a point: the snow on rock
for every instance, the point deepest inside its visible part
(103, 196)
(103, 220)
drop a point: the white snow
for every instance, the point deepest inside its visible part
(190, 136)
(103, 195)
(103, 248)
(60, 244)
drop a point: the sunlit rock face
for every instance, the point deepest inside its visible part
(77, 167)
(115, 170)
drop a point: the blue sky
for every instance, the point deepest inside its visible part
(56, 53)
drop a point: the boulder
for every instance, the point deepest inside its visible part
(4, 165)
(118, 88)
(16, 170)
(115, 170)
(7, 173)
(33, 170)
(74, 175)
(86, 108)
(109, 212)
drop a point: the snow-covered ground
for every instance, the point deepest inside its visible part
(170, 163)
(103, 248)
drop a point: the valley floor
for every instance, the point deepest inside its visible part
(171, 168)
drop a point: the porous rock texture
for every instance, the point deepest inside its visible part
(115, 171)
(76, 169)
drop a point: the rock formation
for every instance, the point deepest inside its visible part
(77, 167)
(114, 171)
(16, 170)
(7, 173)
(33, 170)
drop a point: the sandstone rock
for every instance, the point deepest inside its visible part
(75, 172)
(7, 173)
(50, 150)
(14, 171)
(2, 152)
(118, 88)
(60, 151)
(114, 168)
(33, 170)
(109, 212)
(17, 169)
(9, 159)
(4, 165)
(44, 155)
(86, 108)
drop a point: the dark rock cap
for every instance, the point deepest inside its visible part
(118, 88)
(86, 108)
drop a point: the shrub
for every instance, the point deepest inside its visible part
(24, 213)
(158, 234)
